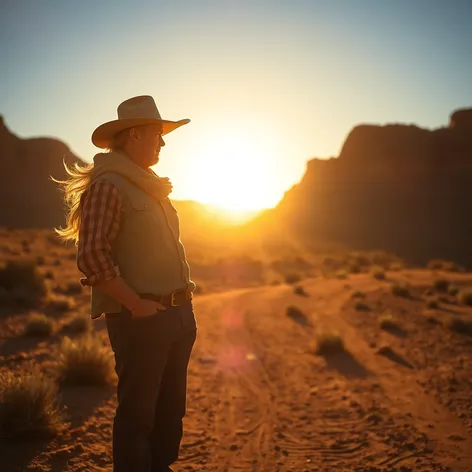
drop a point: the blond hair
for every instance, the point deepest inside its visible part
(74, 187)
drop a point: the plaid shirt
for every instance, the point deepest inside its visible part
(101, 214)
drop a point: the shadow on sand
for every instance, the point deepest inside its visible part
(78, 404)
(346, 364)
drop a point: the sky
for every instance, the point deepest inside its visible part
(267, 85)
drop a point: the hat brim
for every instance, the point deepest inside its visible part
(102, 136)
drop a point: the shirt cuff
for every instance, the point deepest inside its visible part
(95, 279)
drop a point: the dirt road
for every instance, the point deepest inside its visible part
(260, 399)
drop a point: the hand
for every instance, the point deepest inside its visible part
(146, 308)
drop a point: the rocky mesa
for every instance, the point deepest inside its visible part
(395, 187)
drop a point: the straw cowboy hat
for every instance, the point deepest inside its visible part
(135, 111)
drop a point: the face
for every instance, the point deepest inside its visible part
(148, 141)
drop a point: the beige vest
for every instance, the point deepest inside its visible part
(148, 251)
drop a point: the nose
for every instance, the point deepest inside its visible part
(162, 142)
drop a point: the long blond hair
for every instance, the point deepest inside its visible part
(73, 188)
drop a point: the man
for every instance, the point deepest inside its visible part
(130, 253)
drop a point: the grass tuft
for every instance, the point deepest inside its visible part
(38, 325)
(378, 272)
(432, 304)
(28, 405)
(84, 361)
(388, 322)
(23, 282)
(400, 290)
(329, 343)
(441, 285)
(292, 278)
(461, 326)
(464, 297)
(80, 324)
(59, 304)
(361, 306)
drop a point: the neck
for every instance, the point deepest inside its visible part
(137, 159)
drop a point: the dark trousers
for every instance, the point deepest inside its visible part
(151, 360)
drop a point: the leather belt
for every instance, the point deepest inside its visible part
(175, 298)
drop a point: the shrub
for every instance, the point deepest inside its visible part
(354, 268)
(296, 314)
(299, 290)
(28, 405)
(329, 343)
(361, 306)
(84, 361)
(396, 266)
(72, 288)
(59, 304)
(441, 285)
(23, 282)
(400, 290)
(358, 294)
(387, 322)
(378, 273)
(292, 278)
(40, 260)
(79, 324)
(39, 325)
(461, 326)
(440, 264)
(465, 297)
(342, 274)
(432, 304)
(453, 290)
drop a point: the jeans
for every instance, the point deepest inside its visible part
(151, 360)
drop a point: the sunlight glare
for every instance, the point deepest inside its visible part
(234, 172)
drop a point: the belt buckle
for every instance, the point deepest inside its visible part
(172, 298)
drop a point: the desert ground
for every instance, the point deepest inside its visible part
(353, 372)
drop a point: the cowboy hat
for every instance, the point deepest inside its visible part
(135, 111)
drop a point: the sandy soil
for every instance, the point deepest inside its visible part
(259, 399)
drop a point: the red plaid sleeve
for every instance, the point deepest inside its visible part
(101, 210)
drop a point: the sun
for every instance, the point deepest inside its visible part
(235, 176)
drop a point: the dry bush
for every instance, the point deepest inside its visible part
(361, 306)
(72, 288)
(84, 361)
(378, 273)
(441, 285)
(453, 290)
(28, 405)
(358, 294)
(400, 290)
(23, 283)
(297, 315)
(447, 266)
(292, 278)
(388, 322)
(329, 343)
(38, 325)
(59, 304)
(342, 274)
(464, 297)
(432, 303)
(299, 290)
(40, 260)
(461, 326)
(79, 324)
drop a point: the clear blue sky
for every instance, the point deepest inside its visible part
(267, 84)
